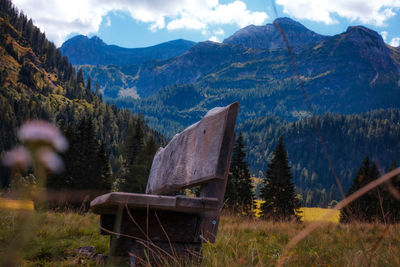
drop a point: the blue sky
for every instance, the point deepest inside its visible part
(139, 23)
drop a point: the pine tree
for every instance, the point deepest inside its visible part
(239, 192)
(103, 169)
(278, 191)
(79, 78)
(135, 141)
(139, 170)
(367, 208)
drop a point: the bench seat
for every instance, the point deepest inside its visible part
(157, 227)
(109, 203)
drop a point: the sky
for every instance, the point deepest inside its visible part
(140, 23)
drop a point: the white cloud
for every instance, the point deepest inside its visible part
(384, 35)
(395, 42)
(374, 12)
(61, 18)
(214, 39)
(186, 23)
(217, 14)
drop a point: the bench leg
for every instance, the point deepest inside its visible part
(140, 253)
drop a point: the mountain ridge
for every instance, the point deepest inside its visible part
(269, 37)
(82, 50)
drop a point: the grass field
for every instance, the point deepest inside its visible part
(51, 239)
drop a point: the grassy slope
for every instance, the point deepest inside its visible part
(240, 242)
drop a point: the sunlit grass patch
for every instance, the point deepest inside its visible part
(308, 214)
(16, 204)
(316, 214)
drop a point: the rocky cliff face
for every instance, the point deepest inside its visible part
(269, 36)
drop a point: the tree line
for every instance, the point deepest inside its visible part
(348, 139)
(281, 203)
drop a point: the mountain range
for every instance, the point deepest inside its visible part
(94, 51)
(349, 74)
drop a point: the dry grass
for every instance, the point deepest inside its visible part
(259, 243)
(240, 242)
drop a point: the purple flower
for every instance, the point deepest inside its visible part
(50, 160)
(42, 132)
(18, 157)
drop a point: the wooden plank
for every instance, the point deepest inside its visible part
(109, 203)
(152, 225)
(210, 220)
(193, 156)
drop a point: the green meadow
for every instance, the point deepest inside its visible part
(33, 238)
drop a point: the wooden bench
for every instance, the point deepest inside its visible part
(158, 226)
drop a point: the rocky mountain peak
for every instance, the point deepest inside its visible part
(370, 46)
(83, 40)
(288, 22)
(361, 34)
(269, 37)
(96, 40)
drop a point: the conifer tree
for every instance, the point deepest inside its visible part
(104, 168)
(367, 208)
(79, 77)
(139, 170)
(89, 85)
(239, 192)
(278, 191)
(135, 141)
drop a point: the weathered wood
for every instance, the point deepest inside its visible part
(193, 156)
(109, 203)
(154, 227)
(160, 226)
(210, 220)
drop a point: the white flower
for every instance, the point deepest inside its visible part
(41, 131)
(17, 157)
(50, 160)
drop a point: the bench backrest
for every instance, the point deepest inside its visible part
(199, 154)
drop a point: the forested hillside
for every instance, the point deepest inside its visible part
(37, 82)
(348, 138)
